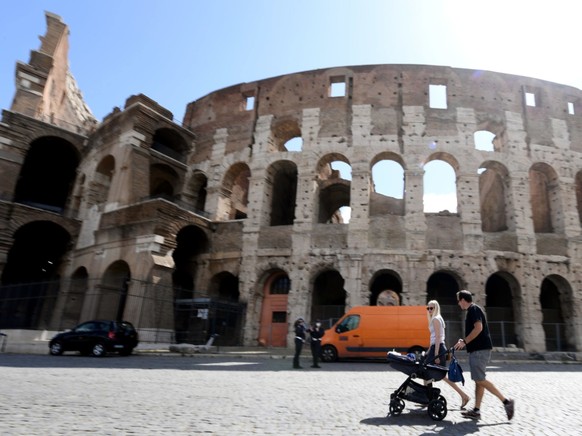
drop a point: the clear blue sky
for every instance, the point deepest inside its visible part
(176, 51)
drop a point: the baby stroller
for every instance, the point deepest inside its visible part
(416, 392)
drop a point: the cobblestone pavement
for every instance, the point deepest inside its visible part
(161, 395)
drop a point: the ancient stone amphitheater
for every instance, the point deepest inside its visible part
(234, 220)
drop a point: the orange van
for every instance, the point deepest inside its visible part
(372, 331)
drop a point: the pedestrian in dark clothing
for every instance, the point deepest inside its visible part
(316, 333)
(299, 327)
(479, 346)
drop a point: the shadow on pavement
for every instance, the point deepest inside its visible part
(419, 417)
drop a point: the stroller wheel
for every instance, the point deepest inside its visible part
(437, 409)
(396, 406)
(443, 399)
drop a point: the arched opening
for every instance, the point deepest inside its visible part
(385, 289)
(443, 287)
(31, 276)
(282, 190)
(101, 183)
(198, 185)
(287, 135)
(294, 144)
(440, 187)
(334, 178)
(191, 242)
(499, 305)
(47, 175)
(234, 196)
(170, 143)
(328, 297)
(490, 135)
(558, 314)
(224, 287)
(484, 140)
(274, 326)
(493, 197)
(113, 291)
(164, 182)
(544, 191)
(387, 193)
(75, 298)
(225, 313)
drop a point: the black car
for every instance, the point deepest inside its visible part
(96, 338)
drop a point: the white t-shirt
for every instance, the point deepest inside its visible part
(433, 338)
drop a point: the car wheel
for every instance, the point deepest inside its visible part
(98, 350)
(56, 348)
(328, 353)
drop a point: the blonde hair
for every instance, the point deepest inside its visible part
(435, 312)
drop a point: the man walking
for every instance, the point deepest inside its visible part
(479, 346)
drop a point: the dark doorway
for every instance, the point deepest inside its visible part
(30, 279)
(47, 175)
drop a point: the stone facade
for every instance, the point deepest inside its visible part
(225, 206)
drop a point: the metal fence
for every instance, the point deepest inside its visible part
(151, 307)
(162, 317)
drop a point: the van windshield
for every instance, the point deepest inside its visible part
(349, 323)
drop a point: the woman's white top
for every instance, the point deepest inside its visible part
(433, 338)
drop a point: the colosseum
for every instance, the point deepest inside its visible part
(233, 220)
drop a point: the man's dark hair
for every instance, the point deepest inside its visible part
(465, 295)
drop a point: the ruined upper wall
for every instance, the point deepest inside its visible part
(46, 89)
(388, 90)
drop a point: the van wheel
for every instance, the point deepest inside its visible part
(328, 353)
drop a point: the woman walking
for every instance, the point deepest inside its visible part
(438, 349)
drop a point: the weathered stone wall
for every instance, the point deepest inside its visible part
(386, 111)
(232, 149)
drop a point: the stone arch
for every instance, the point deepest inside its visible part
(387, 184)
(75, 298)
(164, 181)
(495, 198)
(224, 286)
(385, 288)
(234, 195)
(443, 286)
(496, 134)
(113, 291)
(328, 296)
(281, 192)
(334, 190)
(191, 242)
(274, 323)
(503, 296)
(47, 175)
(101, 183)
(31, 276)
(544, 200)
(558, 314)
(198, 190)
(170, 143)
(225, 312)
(438, 166)
(285, 130)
